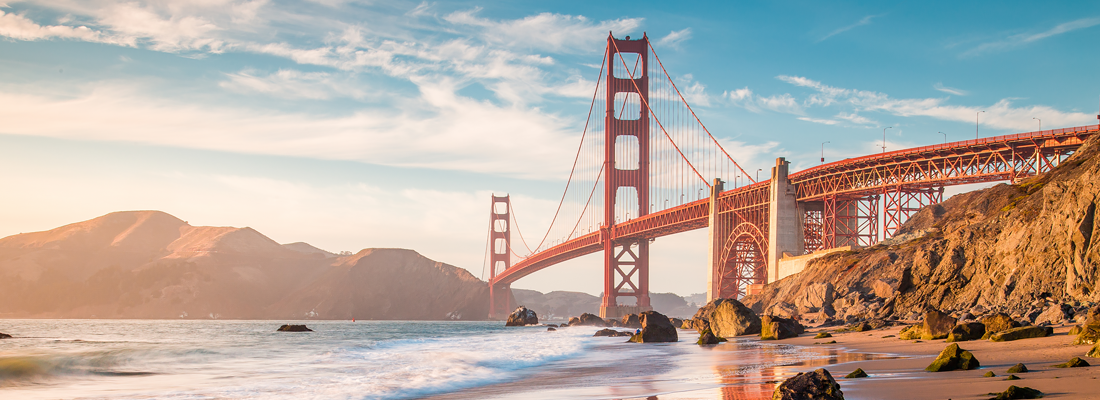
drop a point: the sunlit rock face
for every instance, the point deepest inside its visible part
(1020, 249)
(149, 264)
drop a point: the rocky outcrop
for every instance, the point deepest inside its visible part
(776, 328)
(1095, 352)
(727, 318)
(1075, 362)
(1018, 249)
(4, 336)
(587, 319)
(708, 338)
(816, 385)
(966, 332)
(858, 373)
(294, 328)
(630, 321)
(656, 328)
(1016, 392)
(522, 317)
(1024, 332)
(1089, 332)
(953, 358)
(611, 333)
(998, 322)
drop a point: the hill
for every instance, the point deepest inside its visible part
(149, 264)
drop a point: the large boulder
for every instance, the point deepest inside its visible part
(1055, 314)
(776, 328)
(1095, 352)
(952, 358)
(1024, 332)
(655, 328)
(816, 385)
(937, 325)
(1090, 331)
(630, 321)
(727, 318)
(294, 328)
(522, 317)
(587, 319)
(998, 322)
(966, 331)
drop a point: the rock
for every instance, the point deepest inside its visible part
(631, 321)
(294, 328)
(708, 338)
(587, 319)
(966, 317)
(816, 385)
(816, 296)
(858, 373)
(1088, 334)
(911, 332)
(998, 322)
(1053, 315)
(1017, 369)
(1015, 392)
(966, 332)
(655, 328)
(1024, 332)
(1076, 330)
(989, 374)
(551, 329)
(1095, 352)
(522, 317)
(776, 328)
(1012, 378)
(688, 324)
(823, 335)
(1075, 362)
(785, 310)
(679, 323)
(573, 321)
(937, 325)
(884, 289)
(4, 336)
(829, 342)
(610, 333)
(952, 358)
(727, 318)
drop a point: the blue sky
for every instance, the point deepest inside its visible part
(387, 124)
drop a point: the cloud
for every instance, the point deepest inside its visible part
(674, 38)
(438, 130)
(950, 90)
(745, 98)
(546, 31)
(18, 27)
(1026, 38)
(863, 21)
(293, 84)
(856, 119)
(819, 121)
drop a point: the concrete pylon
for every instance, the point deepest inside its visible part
(784, 219)
(716, 240)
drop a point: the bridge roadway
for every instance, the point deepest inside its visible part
(999, 158)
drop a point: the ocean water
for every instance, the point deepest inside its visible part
(217, 359)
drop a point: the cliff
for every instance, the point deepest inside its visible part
(149, 264)
(1014, 248)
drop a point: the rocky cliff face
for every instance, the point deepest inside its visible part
(148, 264)
(1021, 249)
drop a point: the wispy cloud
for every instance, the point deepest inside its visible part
(674, 38)
(950, 90)
(863, 21)
(1026, 38)
(293, 84)
(745, 98)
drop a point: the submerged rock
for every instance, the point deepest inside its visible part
(776, 328)
(1024, 332)
(294, 328)
(550, 329)
(610, 333)
(1016, 392)
(858, 373)
(816, 385)
(655, 328)
(952, 358)
(708, 338)
(522, 317)
(966, 332)
(1017, 369)
(1075, 362)
(4, 336)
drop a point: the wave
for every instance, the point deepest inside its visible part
(33, 368)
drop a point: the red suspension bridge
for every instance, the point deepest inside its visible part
(648, 167)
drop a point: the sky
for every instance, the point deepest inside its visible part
(358, 124)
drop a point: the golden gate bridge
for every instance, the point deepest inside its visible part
(648, 167)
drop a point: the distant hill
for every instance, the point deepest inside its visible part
(149, 264)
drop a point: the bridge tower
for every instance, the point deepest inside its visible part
(500, 256)
(626, 135)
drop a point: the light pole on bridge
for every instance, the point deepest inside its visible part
(758, 174)
(884, 138)
(1040, 123)
(822, 154)
(944, 137)
(976, 123)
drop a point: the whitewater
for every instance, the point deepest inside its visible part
(217, 359)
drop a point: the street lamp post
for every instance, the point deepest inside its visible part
(758, 174)
(944, 138)
(976, 123)
(1040, 123)
(823, 151)
(884, 138)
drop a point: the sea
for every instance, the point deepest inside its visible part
(220, 359)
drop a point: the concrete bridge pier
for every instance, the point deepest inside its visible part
(785, 219)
